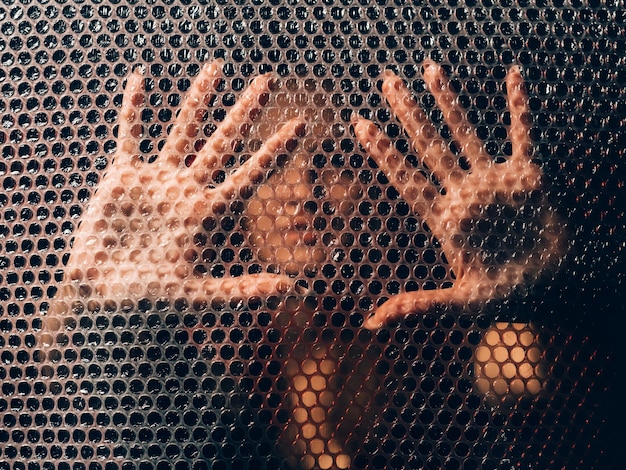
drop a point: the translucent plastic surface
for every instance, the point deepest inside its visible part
(311, 235)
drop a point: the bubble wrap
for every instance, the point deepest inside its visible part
(311, 235)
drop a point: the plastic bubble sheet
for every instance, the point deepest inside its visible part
(324, 234)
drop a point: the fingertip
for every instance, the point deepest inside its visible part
(373, 323)
(514, 73)
(359, 123)
(357, 128)
(283, 286)
(265, 82)
(391, 82)
(294, 128)
(296, 124)
(430, 67)
(208, 78)
(140, 69)
(368, 131)
(132, 99)
(135, 80)
(355, 119)
(514, 79)
(273, 83)
(515, 70)
(261, 88)
(213, 68)
(301, 289)
(300, 128)
(434, 76)
(389, 74)
(133, 96)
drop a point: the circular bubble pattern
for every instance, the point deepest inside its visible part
(521, 376)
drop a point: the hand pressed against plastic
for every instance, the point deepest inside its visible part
(145, 230)
(491, 220)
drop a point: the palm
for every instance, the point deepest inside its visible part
(490, 220)
(144, 231)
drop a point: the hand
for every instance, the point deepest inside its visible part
(494, 227)
(144, 232)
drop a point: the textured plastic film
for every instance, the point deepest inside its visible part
(311, 235)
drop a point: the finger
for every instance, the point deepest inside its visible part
(418, 302)
(245, 287)
(528, 174)
(462, 130)
(426, 141)
(256, 168)
(225, 138)
(520, 117)
(130, 127)
(181, 139)
(412, 185)
(260, 285)
(253, 285)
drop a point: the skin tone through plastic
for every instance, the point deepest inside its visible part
(470, 203)
(140, 235)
